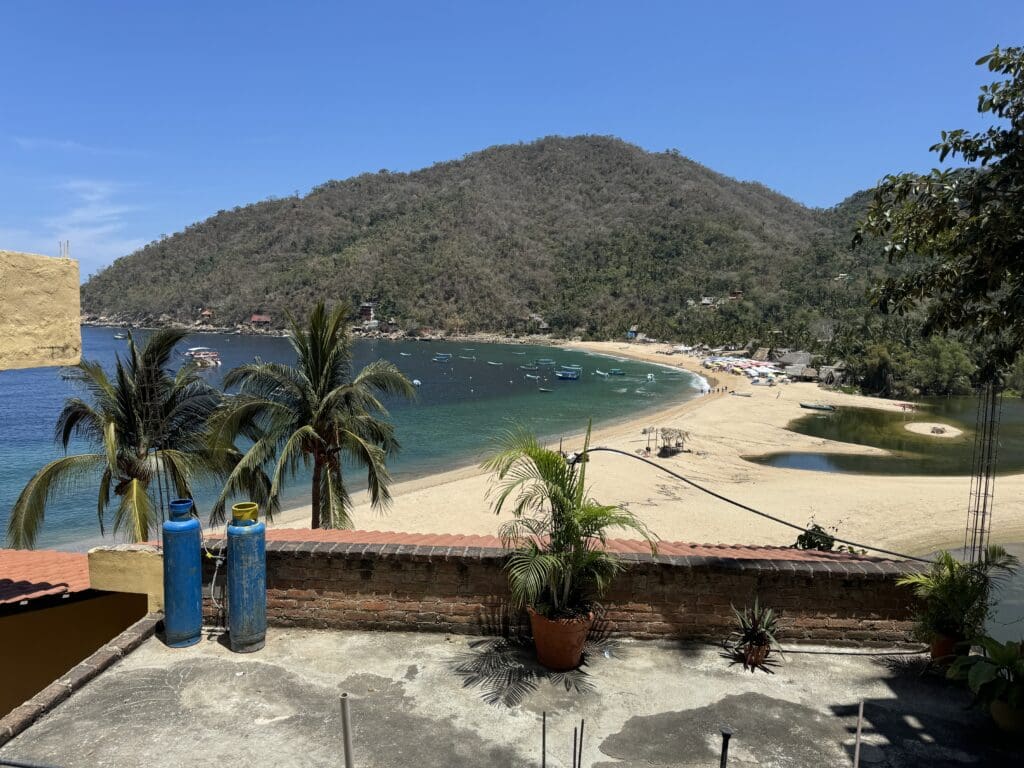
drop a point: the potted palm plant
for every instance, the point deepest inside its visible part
(559, 565)
(997, 679)
(956, 598)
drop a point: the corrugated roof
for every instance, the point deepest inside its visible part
(31, 574)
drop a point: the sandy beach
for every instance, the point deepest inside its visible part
(905, 513)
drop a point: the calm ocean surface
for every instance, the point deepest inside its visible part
(460, 408)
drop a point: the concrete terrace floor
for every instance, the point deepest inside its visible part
(430, 700)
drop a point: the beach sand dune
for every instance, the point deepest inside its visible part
(909, 514)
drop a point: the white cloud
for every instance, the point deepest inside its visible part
(37, 143)
(95, 223)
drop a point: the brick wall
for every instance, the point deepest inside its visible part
(334, 582)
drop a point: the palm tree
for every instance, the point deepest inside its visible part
(557, 531)
(147, 428)
(315, 412)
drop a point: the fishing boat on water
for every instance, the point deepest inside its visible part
(616, 372)
(544, 389)
(441, 357)
(491, 362)
(567, 375)
(599, 372)
(572, 367)
(528, 367)
(650, 377)
(532, 376)
(405, 354)
(204, 357)
(521, 354)
(817, 406)
(545, 361)
(467, 357)
(120, 336)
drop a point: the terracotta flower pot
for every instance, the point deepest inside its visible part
(559, 642)
(943, 647)
(1008, 718)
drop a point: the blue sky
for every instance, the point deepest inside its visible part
(122, 121)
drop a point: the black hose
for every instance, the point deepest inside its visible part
(22, 764)
(746, 508)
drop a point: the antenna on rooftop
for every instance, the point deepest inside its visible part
(64, 248)
(983, 480)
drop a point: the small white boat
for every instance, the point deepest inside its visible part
(532, 376)
(120, 336)
(650, 377)
(599, 372)
(491, 362)
(204, 357)
(467, 357)
(405, 354)
(416, 382)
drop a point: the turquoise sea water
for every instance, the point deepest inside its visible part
(461, 406)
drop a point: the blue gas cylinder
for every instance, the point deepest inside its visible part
(183, 584)
(247, 579)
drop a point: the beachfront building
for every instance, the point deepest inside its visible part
(260, 321)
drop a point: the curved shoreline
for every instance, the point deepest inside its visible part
(912, 514)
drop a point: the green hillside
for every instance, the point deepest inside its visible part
(592, 233)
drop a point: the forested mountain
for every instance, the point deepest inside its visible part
(591, 233)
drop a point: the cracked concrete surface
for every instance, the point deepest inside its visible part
(423, 700)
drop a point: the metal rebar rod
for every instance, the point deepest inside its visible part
(346, 731)
(574, 747)
(856, 743)
(544, 740)
(726, 735)
(582, 723)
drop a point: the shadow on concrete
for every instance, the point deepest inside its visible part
(930, 722)
(506, 668)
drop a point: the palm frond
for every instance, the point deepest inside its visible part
(29, 509)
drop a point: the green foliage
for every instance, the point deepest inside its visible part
(959, 232)
(957, 597)
(998, 675)
(148, 429)
(755, 635)
(592, 233)
(558, 532)
(816, 537)
(318, 411)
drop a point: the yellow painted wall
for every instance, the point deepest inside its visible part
(38, 645)
(39, 311)
(137, 568)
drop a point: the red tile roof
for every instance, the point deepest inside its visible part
(677, 548)
(31, 574)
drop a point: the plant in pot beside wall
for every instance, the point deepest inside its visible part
(997, 680)
(755, 636)
(956, 598)
(559, 565)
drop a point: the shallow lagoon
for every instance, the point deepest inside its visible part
(911, 454)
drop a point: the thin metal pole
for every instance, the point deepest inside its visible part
(582, 723)
(544, 740)
(574, 747)
(726, 735)
(856, 744)
(346, 731)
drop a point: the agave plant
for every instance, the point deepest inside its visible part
(755, 635)
(560, 564)
(147, 427)
(957, 597)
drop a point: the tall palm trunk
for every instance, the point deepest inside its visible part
(318, 473)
